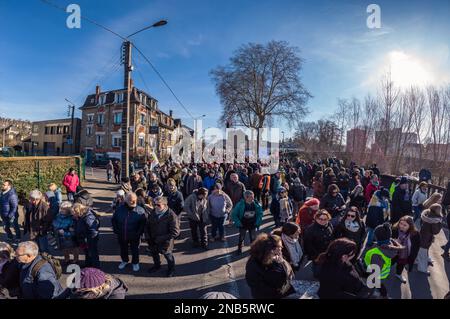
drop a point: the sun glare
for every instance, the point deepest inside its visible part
(407, 70)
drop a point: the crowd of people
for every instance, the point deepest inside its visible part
(338, 218)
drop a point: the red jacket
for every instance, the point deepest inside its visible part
(71, 182)
(369, 191)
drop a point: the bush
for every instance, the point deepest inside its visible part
(28, 173)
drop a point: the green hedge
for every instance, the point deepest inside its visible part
(28, 173)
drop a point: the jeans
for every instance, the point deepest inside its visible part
(217, 225)
(169, 258)
(242, 232)
(417, 211)
(70, 196)
(42, 242)
(91, 253)
(370, 234)
(198, 227)
(134, 246)
(14, 222)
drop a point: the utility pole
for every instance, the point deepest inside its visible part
(71, 114)
(126, 49)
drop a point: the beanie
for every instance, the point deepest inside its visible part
(312, 202)
(383, 232)
(92, 278)
(403, 180)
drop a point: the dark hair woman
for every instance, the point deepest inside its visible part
(292, 251)
(407, 235)
(267, 273)
(352, 227)
(338, 277)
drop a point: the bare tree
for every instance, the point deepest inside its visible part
(262, 82)
(369, 117)
(341, 118)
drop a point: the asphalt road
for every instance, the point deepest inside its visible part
(219, 268)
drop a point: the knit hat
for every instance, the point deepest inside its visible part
(383, 232)
(403, 180)
(312, 202)
(91, 278)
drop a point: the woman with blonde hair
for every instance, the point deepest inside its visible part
(87, 227)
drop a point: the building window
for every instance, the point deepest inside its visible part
(118, 118)
(99, 140)
(119, 97)
(143, 118)
(141, 141)
(90, 118)
(88, 130)
(102, 99)
(66, 129)
(144, 99)
(36, 129)
(59, 130)
(47, 131)
(116, 141)
(52, 130)
(100, 119)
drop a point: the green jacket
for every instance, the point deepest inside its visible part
(238, 213)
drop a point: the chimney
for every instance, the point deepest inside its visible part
(97, 92)
(170, 113)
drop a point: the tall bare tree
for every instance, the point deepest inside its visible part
(262, 82)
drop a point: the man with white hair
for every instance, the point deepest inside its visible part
(38, 220)
(128, 223)
(37, 276)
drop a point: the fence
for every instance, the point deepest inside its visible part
(28, 173)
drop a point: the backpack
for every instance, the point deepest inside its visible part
(47, 258)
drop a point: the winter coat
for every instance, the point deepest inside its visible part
(162, 230)
(219, 204)
(83, 197)
(297, 191)
(415, 246)
(332, 204)
(254, 181)
(235, 191)
(196, 211)
(369, 191)
(65, 223)
(358, 201)
(419, 198)
(209, 183)
(316, 239)
(128, 222)
(175, 201)
(45, 285)
(38, 219)
(116, 289)
(341, 282)
(269, 282)
(10, 276)
(86, 228)
(71, 182)
(401, 204)
(431, 226)
(192, 183)
(238, 212)
(377, 212)
(358, 237)
(9, 204)
(343, 180)
(140, 183)
(317, 189)
(305, 217)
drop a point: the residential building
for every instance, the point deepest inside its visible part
(53, 137)
(356, 140)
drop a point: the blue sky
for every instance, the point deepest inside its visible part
(43, 62)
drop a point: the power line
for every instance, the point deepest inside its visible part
(137, 49)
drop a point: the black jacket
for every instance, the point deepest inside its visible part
(128, 223)
(268, 282)
(86, 228)
(316, 239)
(401, 204)
(341, 282)
(175, 201)
(358, 237)
(162, 230)
(332, 204)
(10, 277)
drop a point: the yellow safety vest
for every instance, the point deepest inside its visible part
(386, 270)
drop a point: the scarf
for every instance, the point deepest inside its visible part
(352, 226)
(405, 240)
(294, 249)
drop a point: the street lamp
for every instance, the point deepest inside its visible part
(127, 46)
